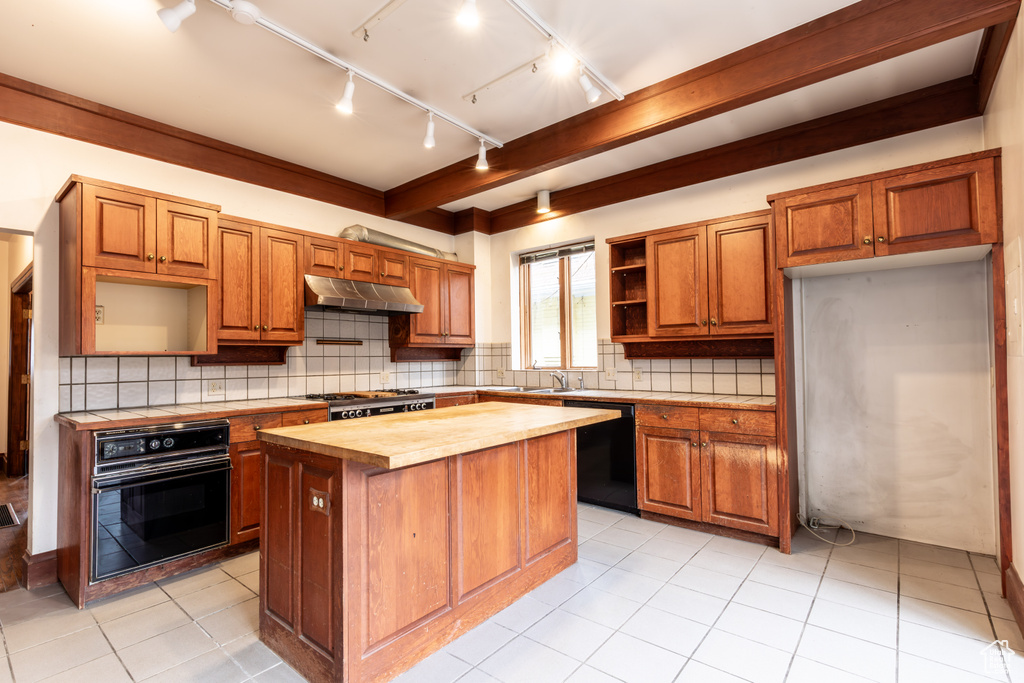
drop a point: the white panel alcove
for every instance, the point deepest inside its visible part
(897, 424)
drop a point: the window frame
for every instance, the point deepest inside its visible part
(564, 310)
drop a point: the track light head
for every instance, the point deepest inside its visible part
(428, 141)
(543, 201)
(173, 16)
(590, 91)
(345, 103)
(481, 157)
(468, 15)
(561, 59)
(245, 12)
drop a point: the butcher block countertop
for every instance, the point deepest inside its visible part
(403, 439)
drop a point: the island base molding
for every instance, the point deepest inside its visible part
(365, 571)
(716, 529)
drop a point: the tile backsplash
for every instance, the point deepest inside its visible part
(103, 383)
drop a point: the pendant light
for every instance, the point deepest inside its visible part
(345, 103)
(173, 16)
(428, 141)
(468, 15)
(481, 157)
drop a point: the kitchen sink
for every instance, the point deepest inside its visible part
(553, 390)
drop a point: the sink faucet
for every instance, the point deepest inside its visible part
(581, 382)
(562, 379)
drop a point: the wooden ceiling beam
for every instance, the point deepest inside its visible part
(990, 56)
(851, 38)
(938, 105)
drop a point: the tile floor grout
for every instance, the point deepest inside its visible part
(694, 588)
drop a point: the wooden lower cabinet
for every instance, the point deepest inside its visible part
(729, 478)
(454, 400)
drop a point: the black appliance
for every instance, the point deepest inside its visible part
(355, 404)
(158, 493)
(606, 458)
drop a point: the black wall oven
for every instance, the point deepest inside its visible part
(158, 493)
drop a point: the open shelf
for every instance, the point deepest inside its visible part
(631, 302)
(628, 281)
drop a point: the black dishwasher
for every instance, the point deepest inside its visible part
(606, 458)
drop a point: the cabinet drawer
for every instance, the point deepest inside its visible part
(455, 400)
(678, 417)
(760, 422)
(303, 417)
(244, 428)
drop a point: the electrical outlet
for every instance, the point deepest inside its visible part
(499, 373)
(385, 377)
(609, 373)
(638, 375)
(99, 315)
(216, 387)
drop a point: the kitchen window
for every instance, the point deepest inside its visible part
(559, 307)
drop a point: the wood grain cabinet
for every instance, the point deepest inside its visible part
(709, 280)
(941, 205)
(717, 466)
(260, 284)
(445, 289)
(332, 257)
(450, 400)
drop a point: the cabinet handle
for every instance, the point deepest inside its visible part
(341, 268)
(664, 417)
(881, 239)
(256, 428)
(704, 323)
(704, 444)
(867, 240)
(264, 328)
(714, 322)
(694, 444)
(163, 259)
(150, 257)
(305, 422)
(735, 422)
(255, 328)
(382, 274)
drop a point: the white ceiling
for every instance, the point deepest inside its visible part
(242, 85)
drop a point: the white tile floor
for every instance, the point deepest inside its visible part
(645, 603)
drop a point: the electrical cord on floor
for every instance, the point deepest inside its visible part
(841, 525)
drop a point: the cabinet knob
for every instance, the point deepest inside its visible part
(255, 328)
(340, 268)
(264, 328)
(664, 417)
(714, 322)
(256, 428)
(163, 259)
(881, 239)
(150, 257)
(735, 422)
(867, 240)
(694, 444)
(382, 274)
(704, 444)
(305, 422)
(704, 323)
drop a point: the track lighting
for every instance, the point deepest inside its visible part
(173, 16)
(543, 201)
(592, 93)
(428, 141)
(345, 103)
(468, 15)
(245, 12)
(481, 157)
(562, 60)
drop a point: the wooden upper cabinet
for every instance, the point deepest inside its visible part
(239, 281)
(824, 226)
(324, 256)
(739, 272)
(282, 312)
(393, 268)
(426, 283)
(126, 230)
(445, 289)
(677, 277)
(940, 205)
(360, 262)
(937, 208)
(458, 282)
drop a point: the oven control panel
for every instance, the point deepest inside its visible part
(161, 441)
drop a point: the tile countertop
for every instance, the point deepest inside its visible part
(699, 400)
(114, 419)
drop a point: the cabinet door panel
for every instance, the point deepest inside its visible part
(739, 282)
(324, 256)
(184, 239)
(677, 280)
(360, 263)
(939, 208)
(425, 283)
(459, 293)
(118, 229)
(245, 491)
(238, 281)
(281, 300)
(394, 268)
(824, 226)
(739, 482)
(550, 472)
(668, 472)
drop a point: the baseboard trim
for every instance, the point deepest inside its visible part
(39, 570)
(1015, 594)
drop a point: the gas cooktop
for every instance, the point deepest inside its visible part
(362, 396)
(343, 406)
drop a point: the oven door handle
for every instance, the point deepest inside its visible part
(127, 480)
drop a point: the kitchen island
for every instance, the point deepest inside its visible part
(385, 539)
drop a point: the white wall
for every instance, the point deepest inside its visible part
(1004, 127)
(35, 167)
(897, 412)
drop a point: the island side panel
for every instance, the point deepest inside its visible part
(550, 490)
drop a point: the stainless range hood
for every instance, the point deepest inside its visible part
(360, 297)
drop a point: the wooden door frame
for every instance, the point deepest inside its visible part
(19, 364)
